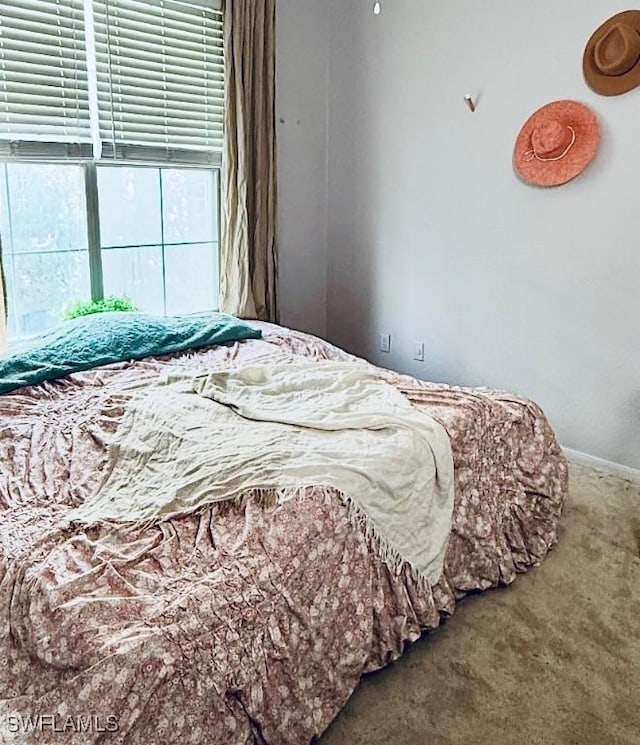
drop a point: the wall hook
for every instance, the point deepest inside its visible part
(470, 102)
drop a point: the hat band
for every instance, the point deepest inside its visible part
(531, 154)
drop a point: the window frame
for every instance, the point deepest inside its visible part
(95, 249)
(84, 154)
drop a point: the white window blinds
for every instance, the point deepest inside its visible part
(43, 72)
(140, 79)
(160, 76)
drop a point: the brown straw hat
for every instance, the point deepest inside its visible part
(556, 143)
(611, 61)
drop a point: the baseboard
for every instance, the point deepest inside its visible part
(600, 464)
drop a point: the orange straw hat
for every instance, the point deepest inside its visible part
(611, 60)
(556, 143)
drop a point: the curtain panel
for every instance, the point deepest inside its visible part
(248, 252)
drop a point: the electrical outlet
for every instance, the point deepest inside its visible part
(418, 351)
(385, 342)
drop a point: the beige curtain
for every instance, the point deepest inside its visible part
(248, 259)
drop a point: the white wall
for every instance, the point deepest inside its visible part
(302, 116)
(432, 237)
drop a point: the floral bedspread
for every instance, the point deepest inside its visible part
(244, 623)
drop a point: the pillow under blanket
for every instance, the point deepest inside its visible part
(102, 338)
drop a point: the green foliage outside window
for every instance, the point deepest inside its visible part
(99, 306)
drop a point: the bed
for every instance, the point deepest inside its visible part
(244, 622)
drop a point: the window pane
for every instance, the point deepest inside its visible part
(190, 206)
(47, 204)
(41, 286)
(136, 273)
(129, 206)
(192, 278)
(44, 234)
(141, 206)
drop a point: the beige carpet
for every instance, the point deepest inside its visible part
(553, 659)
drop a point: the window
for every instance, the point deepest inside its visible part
(110, 139)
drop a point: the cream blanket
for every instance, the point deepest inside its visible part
(280, 427)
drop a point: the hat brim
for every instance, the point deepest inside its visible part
(610, 85)
(553, 173)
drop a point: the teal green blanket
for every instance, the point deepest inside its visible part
(103, 338)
